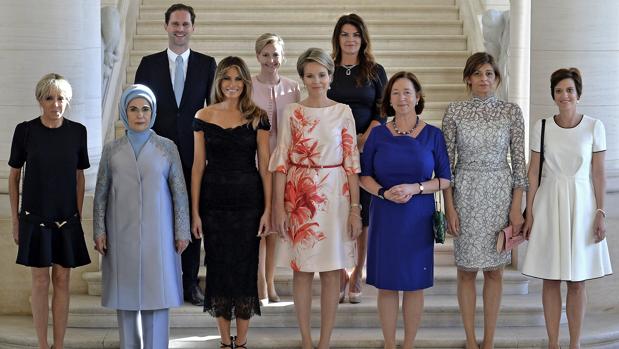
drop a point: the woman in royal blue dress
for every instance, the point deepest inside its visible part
(403, 164)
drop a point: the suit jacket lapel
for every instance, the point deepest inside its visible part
(192, 66)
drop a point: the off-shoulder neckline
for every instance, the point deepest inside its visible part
(221, 127)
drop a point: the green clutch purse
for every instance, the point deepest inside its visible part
(439, 222)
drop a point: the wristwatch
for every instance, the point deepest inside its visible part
(420, 188)
(381, 193)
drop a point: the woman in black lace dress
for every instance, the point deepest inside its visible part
(231, 198)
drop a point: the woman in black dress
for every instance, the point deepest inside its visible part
(48, 228)
(230, 198)
(359, 82)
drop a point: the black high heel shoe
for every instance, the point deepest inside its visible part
(240, 345)
(231, 345)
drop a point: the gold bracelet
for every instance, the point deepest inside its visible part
(601, 211)
(355, 205)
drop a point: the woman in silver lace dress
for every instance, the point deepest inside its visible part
(486, 192)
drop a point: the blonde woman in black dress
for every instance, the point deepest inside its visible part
(48, 226)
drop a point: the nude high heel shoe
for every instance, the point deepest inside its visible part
(354, 297)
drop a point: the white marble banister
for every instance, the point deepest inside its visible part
(128, 12)
(470, 13)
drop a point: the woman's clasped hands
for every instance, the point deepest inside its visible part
(401, 193)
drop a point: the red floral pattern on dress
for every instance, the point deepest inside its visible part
(310, 138)
(347, 148)
(302, 197)
(305, 149)
(294, 266)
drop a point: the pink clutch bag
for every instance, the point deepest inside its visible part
(506, 241)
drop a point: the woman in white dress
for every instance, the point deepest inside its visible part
(316, 193)
(568, 242)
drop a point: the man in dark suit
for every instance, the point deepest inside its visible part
(181, 80)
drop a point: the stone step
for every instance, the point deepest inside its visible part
(391, 58)
(408, 11)
(514, 283)
(211, 42)
(439, 311)
(317, 3)
(307, 25)
(600, 331)
(426, 75)
(443, 253)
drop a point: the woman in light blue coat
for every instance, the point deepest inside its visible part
(141, 224)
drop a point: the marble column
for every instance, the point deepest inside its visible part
(583, 34)
(519, 60)
(39, 37)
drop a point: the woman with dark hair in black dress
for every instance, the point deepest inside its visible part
(357, 81)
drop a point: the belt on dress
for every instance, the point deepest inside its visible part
(314, 166)
(44, 223)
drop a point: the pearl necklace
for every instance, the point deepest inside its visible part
(348, 67)
(397, 130)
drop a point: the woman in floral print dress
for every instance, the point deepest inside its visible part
(316, 192)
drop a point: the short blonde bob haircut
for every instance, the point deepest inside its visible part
(53, 82)
(316, 55)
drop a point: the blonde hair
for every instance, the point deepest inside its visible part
(250, 111)
(53, 82)
(269, 38)
(315, 55)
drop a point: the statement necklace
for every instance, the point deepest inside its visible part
(395, 127)
(348, 67)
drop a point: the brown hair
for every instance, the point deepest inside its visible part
(180, 7)
(367, 62)
(566, 73)
(475, 61)
(250, 111)
(385, 106)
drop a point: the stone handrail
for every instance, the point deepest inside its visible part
(470, 13)
(128, 13)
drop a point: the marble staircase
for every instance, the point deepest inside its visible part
(423, 36)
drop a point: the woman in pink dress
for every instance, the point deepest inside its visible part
(271, 92)
(316, 192)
